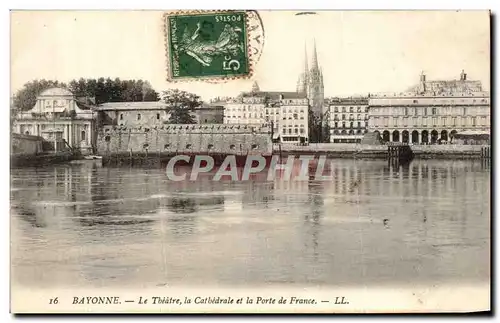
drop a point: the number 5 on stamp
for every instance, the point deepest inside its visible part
(207, 45)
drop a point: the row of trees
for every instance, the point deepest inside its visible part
(101, 90)
(179, 103)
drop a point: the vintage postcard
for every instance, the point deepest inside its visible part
(250, 161)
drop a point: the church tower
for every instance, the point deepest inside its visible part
(310, 83)
(316, 89)
(303, 81)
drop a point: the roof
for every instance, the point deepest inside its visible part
(142, 105)
(83, 105)
(348, 101)
(472, 132)
(56, 91)
(449, 86)
(275, 95)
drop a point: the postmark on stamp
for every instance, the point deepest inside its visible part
(204, 45)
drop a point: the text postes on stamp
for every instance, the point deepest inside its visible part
(207, 45)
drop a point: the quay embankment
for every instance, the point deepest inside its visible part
(349, 151)
(161, 159)
(382, 151)
(28, 151)
(41, 159)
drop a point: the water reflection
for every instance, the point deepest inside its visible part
(373, 222)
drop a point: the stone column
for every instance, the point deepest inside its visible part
(87, 134)
(70, 127)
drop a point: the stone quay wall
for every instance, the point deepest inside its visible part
(334, 150)
(381, 151)
(185, 139)
(28, 151)
(26, 144)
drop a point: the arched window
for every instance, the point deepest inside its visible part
(83, 134)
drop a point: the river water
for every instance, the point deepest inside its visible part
(372, 224)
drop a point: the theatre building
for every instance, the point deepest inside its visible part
(61, 119)
(430, 112)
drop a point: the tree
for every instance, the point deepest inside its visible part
(103, 90)
(180, 105)
(108, 90)
(25, 98)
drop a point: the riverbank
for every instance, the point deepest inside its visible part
(30, 160)
(348, 151)
(157, 160)
(381, 151)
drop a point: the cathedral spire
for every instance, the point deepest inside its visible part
(315, 91)
(303, 81)
(306, 68)
(314, 58)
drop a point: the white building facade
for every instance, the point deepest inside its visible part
(286, 113)
(61, 119)
(431, 112)
(347, 119)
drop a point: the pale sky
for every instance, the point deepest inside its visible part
(360, 51)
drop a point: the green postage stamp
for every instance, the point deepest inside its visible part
(207, 45)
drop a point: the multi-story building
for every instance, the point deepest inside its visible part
(347, 119)
(152, 114)
(247, 108)
(286, 113)
(431, 111)
(293, 126)
(133, 114)
(60, 118)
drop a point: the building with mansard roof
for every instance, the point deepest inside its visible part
(431, 111)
